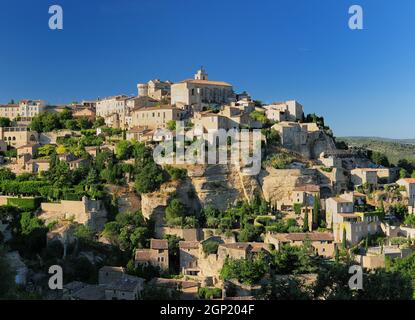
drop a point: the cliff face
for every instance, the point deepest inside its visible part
(277, 185)
(215, 185)
(221, 186)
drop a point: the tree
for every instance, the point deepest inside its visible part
(92, 179)
(6, 174)
(84, 123)
(344, 239)
(287, 288)
(305, 222)
(149, 178)
(171, 125)
(248, 271)
(259, 116)
(123, 150)
(61, 149)
(84, 233)
(403, 174)
(99, 122)
(139, 237)
(316, 212)
(380, 159)
(175, 209)
(71, 124)
(46, 150)
(4, 122)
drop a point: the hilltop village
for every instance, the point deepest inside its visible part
(79, 188)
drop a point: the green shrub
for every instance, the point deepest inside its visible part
(210, 247)
(209, 293)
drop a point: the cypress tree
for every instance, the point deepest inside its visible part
(316, 212)
(305, 222)
(344, 240)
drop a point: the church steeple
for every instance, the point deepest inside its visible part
(201, 74)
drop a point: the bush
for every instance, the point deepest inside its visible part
(176, 173)
(210, 247)
(209, 293)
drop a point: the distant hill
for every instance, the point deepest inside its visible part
(357, 138)
(394, 149)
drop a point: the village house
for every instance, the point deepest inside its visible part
(18, 136)
(155, 117)
(299, 136)
(344, 216)
(37, 166)
(87, 292)
(356, 226)
(88, 113)
(364, 176)
(31, 108)
(157, 255)
(119, 285)
(408, 184)
(10, 111)
(336, 206)
(374, 258)
(140, 134)
(189, 255)
(209, 121)
(201, 91)
(73, 162)
(322, 242)
(30, 149)
(284, 111)
(114, 110)
(305, 194)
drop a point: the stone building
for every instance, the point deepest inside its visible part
(305, 194)
(344, 219)
(362, 176)
(284, 111)
(31, 108)
(189, 255)
(408, 184)
(91, 213)
(155, 117)
(201, 91)
(10, 111)
(155, 89)
(322, 242)
(18, 136)
(157, 255)
(84, 113)
(304, 138)
(114, 110)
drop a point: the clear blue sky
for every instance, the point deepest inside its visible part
(361, 81)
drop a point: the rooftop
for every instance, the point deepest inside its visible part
(207, 82)
(312, 236)
(159, 244)
(188, 244)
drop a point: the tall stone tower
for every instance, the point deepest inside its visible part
(142, 89)
(201, 74)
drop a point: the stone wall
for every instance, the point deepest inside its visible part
(88, 212)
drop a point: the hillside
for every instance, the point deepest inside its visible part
(393, 149)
